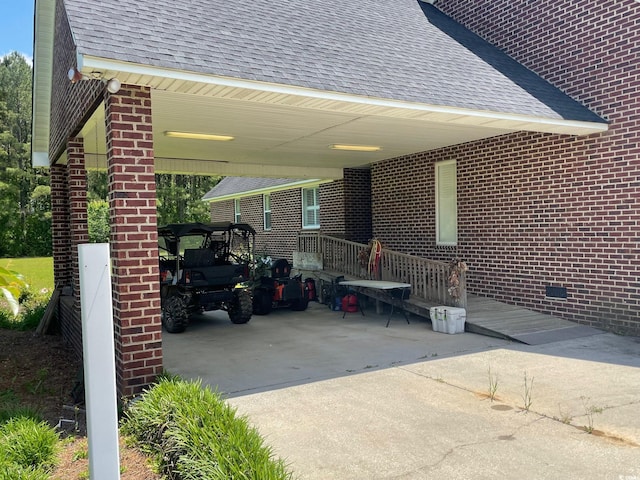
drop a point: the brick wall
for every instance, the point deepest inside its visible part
(70, 103)
(540, 209)
(357, 205)
(59, 226)
(332, 208)
(133, 240)
(345, 212)
(286, 221)
(79, 231)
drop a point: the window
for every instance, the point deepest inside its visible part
(266, 207)
(446, 203)
(310, 208)
(236, 210)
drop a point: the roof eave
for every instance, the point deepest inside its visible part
(44, 26)
(267, 190)
(179, 80)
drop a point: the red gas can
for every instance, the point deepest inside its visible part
(350, 303)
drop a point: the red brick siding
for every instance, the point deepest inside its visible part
(70, 103)
(134, 240)
(587, 49)
(61, 240)
(332, 208)
(539, 209)
(79, 230)
(345, 211)
(286, 221)
(222, 211)
(357, 205)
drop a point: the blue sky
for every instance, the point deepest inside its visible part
(16, 27)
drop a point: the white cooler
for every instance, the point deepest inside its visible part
(448, 319)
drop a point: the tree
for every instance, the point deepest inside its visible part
(25, 223)
(179, 198)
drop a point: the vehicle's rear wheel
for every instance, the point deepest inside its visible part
(300, 304)
(241, 307)
(175, 316)
(262, 302)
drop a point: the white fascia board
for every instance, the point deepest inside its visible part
(97, 64)
(263, 191)
(40, 159)
(44, 25)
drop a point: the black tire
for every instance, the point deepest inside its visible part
(262, 303)
(241, 307)
(301, 304)
(175, 316)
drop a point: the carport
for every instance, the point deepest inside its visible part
(257, 89)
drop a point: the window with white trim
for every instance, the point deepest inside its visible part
(446, 203)
(266, 208)
(236, 210)
(310, 208)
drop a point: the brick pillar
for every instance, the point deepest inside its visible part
(79, 227)
(60, 232)
(134, 239)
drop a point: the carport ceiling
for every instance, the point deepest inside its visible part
(291, 136)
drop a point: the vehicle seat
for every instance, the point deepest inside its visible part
(281, 269)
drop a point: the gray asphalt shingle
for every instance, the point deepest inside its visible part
(236, 185)
(394, 49)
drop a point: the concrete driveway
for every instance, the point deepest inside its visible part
(350, 399)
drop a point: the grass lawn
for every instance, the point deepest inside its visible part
(37, 271)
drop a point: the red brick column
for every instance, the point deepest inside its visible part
(62, 270)
(79, 227)
(134, 240)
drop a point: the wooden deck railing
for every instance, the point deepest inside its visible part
(429, 279)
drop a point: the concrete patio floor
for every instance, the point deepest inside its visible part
(350, 399)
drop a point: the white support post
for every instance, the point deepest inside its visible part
(99, 361)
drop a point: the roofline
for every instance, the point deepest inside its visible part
(43, 34)
(266, 190)
(106, 67)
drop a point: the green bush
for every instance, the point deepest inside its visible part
(194, 435)
(28, 444)
(31, 309)
(98, 221)
(13, 471)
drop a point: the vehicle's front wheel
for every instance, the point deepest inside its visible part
(241, 307)
(262, 302)
(175, 316)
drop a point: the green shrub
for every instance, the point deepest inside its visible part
(31, 309)
(13, 471)
(194, 435)
(98, 221)
(10, 410)
(28, 443)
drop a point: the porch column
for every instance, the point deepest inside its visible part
(60, 229)
(79, 226)
(134, 239)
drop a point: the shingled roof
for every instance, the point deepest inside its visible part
(233, 186)
(393, 49)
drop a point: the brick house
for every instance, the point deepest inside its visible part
(504, 132)
(279, 209)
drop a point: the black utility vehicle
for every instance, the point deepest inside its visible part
(202, 266)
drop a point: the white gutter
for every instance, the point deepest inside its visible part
(92, 64)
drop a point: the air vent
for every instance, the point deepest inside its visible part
(556, 292)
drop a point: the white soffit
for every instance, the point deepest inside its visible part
(299, 97)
